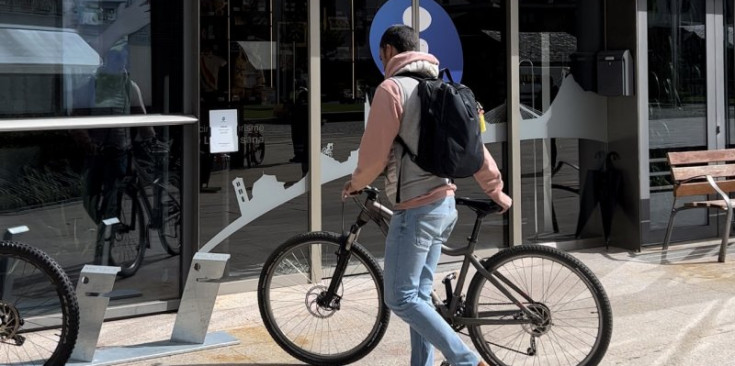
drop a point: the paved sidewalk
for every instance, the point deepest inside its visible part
(675, 309)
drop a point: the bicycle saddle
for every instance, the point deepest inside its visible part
(481, 206)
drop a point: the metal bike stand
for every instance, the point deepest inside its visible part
(95, 283)
(105, 243)
(190, 329)
(12, 231)
(200, 293)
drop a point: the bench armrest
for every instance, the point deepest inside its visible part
(719, 191)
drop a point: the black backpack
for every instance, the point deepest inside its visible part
(450, 144)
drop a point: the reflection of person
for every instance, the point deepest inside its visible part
(247, 80)
(299, 115)
(107, 31)
(424, 214)
(106, 27)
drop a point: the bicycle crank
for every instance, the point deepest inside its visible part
(11, 324)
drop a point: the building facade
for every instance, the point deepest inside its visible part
(238, 121)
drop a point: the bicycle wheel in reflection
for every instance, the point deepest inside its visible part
(254, 149)
(127, 240)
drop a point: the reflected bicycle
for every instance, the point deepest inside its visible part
(528, 304)
(149, 186)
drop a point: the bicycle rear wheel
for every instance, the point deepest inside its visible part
(315, 334)
(129, 238)
(38, 308)
(576, 315)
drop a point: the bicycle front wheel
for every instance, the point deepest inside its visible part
(128, 239)
(293, 278)
(574, 322)
(38, 308)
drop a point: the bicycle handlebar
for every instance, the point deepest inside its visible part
(482, 206)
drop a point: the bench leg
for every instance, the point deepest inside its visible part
(670, 227)
(725, 237)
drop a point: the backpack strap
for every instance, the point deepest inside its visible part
(399, 139)
(404, 95)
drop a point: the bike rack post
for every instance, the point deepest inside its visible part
(106, 243)
(95, 283)
(200, 293)
(12, 231)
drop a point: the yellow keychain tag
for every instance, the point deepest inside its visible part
(481, 113)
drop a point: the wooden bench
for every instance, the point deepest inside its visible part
(702, 173)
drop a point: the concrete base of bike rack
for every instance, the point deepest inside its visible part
(140, 352)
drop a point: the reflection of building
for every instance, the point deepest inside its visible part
(255, 58)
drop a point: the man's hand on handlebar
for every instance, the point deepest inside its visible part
(348, 191)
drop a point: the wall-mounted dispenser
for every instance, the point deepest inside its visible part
(615, 73)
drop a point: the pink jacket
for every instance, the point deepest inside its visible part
(382, 128)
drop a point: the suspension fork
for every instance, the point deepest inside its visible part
(330, 298)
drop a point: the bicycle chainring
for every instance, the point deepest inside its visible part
(10, 324)
(461, 312)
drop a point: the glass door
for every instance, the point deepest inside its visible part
(687, 44)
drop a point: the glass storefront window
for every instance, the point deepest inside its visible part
(481, 29)
(349, 74)
(72, 58)
(253, 63)
(677, 88)
(75, 57)
(64, 184)
(549, 42)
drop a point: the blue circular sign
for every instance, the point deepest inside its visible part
(437, 35)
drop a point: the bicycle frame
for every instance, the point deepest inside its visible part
(152, 208)
(373, 211)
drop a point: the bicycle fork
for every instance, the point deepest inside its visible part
(330, 299)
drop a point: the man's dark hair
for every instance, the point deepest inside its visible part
(402, 37)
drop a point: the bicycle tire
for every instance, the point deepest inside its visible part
(128, 238)
(40, 307)
(255, 150)
(169, 230)
(543, 273)
(279, 294)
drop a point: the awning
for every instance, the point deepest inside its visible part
(262, 54)
(45, 51)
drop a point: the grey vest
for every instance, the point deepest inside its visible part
(404, 179)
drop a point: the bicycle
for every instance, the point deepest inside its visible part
(522, 305)
(254, 145)
(39, 314)
(149, 187)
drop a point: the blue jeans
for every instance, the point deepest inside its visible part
(413, 247)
